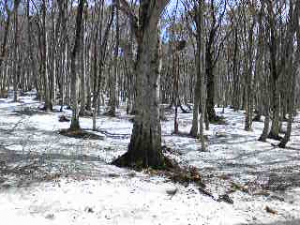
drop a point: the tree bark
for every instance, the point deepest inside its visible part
(83, 72)
(249, 76)
(113, 79)
(274, 133)
(199, 93)
(15, 60)
(44, 54)
(4, 43)
(75, 114)
(145, 144)
(292, 70)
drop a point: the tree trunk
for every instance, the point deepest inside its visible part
(274, 133)
(145, 144)
(197, 98)
(266, 107)
(83, 73)
(291, 102)
(249, 78)
(236, 77)
(210, 88)
(75, 114)
(200, 70)
(176, 88)
(292, 70)
(113, 78)
(15, 59)
(201, 53)
(3, 46)
(128, 55)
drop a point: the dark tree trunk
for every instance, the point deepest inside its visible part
(6, 31)
(274, 133)
(75, 114)
(15, 55)
(210, 103)
(236, 78)
(113, 78)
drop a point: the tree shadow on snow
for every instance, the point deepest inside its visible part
(19, 169)
(291, 222)
(227, 138)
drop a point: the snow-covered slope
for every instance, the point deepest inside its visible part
(47, 178)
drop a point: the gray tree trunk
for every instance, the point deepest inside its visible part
(113, 78)
(145, 143)
(200, 93)
(75, 114)
(83, 72)
(293, 71)
(3, 47)
(15, 55)
(201, 53)
(249, 77)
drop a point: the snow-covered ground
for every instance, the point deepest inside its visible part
(46, 178)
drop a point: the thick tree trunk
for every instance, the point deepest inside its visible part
(145, 144)
(75, 114)
(274, 133)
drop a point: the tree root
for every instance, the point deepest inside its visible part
(80, 134)
(274, 136)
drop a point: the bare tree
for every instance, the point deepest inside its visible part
(75, 112)
(292, 69)
(145, 145)
(199, 92)
(15, 60)
(113, 78)
(4, 44)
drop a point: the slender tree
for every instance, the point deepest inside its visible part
(199, 92)
(15, 60)
(292, 69)
(6, 32)
(113, 79)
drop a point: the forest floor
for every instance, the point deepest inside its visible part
(47, 178)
